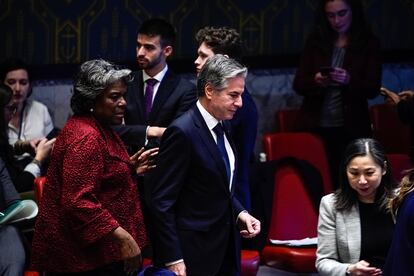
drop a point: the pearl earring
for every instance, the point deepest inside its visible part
(91, 110)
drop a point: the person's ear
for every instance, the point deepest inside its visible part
(168, 50)
(208, 91)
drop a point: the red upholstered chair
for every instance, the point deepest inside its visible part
(31, 273)
(294, 216)
(39, 183)
(399, 163)
(389, 130)
(286, 120)
(250, 260)
(301, 145)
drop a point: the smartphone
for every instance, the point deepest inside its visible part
(325, 70)
(52, 134)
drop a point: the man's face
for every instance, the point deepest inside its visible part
(204, 52)
(150, 54)
(223, 104)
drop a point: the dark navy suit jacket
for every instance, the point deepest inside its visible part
(175, 95)
(243, 132)
(194, 211)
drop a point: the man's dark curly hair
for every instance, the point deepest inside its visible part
(221, 40)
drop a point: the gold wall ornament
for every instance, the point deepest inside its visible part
(69, 37)
(254, 28)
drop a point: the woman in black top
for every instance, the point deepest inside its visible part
(355, 229)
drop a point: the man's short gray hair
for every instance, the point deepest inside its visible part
(91, 81)
(217, 71)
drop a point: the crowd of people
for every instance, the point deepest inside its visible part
(152, 165)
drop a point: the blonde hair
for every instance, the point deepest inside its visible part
(406, 186)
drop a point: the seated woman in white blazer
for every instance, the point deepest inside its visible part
(354, 228)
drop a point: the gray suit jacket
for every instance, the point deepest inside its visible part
(339, 238)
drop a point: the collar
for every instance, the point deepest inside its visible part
(158, 76)
(208, 118)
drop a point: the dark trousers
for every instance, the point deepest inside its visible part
(229, 265)
(335, 140)
(12, 253)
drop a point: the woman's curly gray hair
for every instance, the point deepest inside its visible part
(91, 81)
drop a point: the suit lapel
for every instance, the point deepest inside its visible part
(165, 90)
(353, 229)
(207, 139)
(138, 92)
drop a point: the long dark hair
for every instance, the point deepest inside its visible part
(346, 197)
(359, 31)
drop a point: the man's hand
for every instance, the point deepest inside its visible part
(249, 226)
(178, 268)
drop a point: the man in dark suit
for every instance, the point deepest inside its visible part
(226, 41)
(156, 96)
(193, 207)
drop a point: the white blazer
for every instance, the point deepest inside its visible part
(339, 238)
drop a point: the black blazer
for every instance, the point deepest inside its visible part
(193, 210)
(175, 95)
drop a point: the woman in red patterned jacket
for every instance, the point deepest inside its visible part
(90, 220)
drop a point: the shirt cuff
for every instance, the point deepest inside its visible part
(174, 262)
(146, 136)
(244, 211)
(33, 168)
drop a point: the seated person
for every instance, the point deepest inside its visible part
(22, 179)
(12, 263)
(31, 121)
(404, 101)
(349, 242)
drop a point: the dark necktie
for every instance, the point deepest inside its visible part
(149, 93)
(218, 129)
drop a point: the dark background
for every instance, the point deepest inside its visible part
(55, 35)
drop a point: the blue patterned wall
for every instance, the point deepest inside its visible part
(71, 31)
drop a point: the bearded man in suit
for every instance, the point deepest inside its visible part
(156, 96)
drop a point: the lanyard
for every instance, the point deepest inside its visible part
(21, 120)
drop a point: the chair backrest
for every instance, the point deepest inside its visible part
(399, 163)
(293, 213)
(389, 130)
(286, 120)
(39, 184)
(301, 145)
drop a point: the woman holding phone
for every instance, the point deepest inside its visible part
(340, 70)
